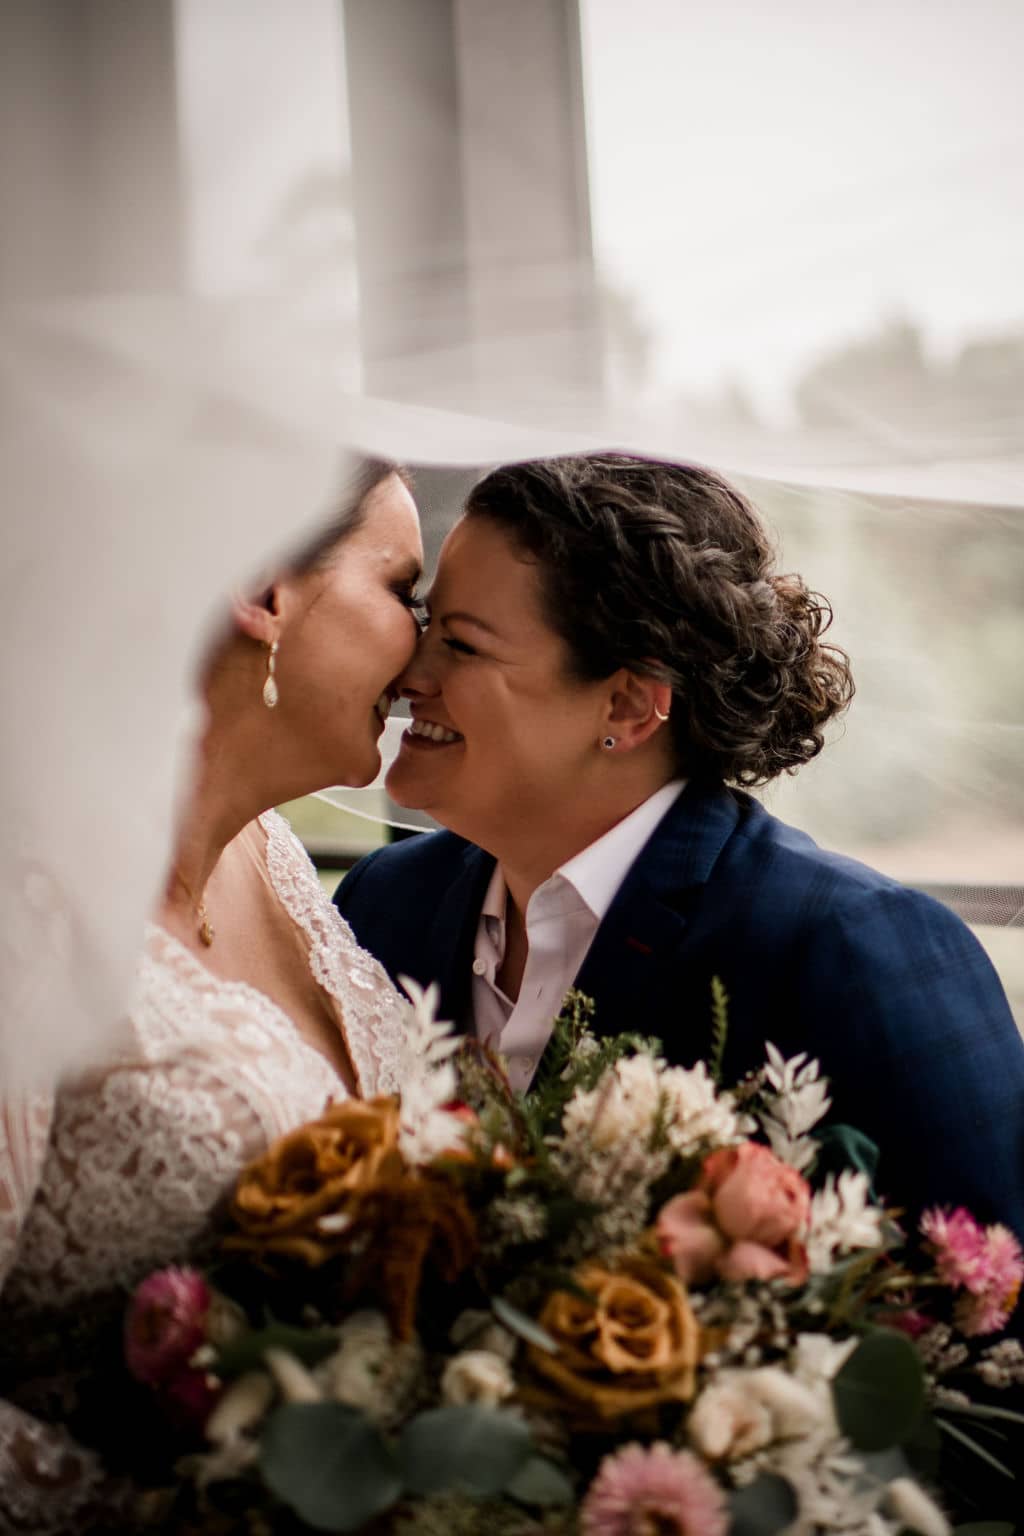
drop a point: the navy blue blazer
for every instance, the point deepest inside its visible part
(818, 953)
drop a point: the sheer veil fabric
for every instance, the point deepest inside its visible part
(166, 435)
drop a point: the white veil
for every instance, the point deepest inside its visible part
(256, 239)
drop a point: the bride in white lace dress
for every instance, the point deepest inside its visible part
(254, 1006)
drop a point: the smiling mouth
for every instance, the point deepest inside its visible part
(425, 733)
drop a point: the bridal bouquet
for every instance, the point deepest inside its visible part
(628, 1304)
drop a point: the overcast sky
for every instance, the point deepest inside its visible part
(772, 178)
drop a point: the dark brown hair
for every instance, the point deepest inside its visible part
(668, 570)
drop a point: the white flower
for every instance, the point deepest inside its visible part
(295, 1383)
(817, 1357)
(727, 1421)
(695, 1111)
(623, 1107)
(477, 1376)
(842, 1218)
(913, 1508)
(800, 1100)
(479, 1327)
(242, 1406)
(370, 1370)
(796, 1409)
(428, 1079)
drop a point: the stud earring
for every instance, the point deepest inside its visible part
(659, 714)
(270, 693)
(609, 742)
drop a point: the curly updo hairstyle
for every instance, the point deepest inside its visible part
(668, 570)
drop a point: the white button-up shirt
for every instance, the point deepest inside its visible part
(562, 917)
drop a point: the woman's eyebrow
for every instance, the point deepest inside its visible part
(469, 618)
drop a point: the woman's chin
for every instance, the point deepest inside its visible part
(407, 787)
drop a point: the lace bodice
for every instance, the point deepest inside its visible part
(121, 1172)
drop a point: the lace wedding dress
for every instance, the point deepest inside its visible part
(121, 1171)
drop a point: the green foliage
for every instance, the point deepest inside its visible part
(719, 1029)
(542, 1484)
(879, 1391)
(247, 1352)
(843, 1146)
(985, 1528)
(524, 1327)
(575, 1059)
(477, 1450)
(329, 1464)
(764, 1507)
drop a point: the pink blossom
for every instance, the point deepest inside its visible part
(743, 1221)
(985, 1262)
(958, 1242)
(653, 1488)
(907, 1320)
(189, 1397)
(166, 1323)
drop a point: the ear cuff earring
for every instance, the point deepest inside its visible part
(659, 714)
(270, 693)
(609, 742)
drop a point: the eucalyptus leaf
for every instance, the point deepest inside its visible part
(879, 1391)
(517, 1322)
(985, 1528)
(843, 1146)
(884, 1466)
(923, 1447)
(247, 1352)
(763, 1508)
(329, 1464)
(467, 1447)
(541, 1483)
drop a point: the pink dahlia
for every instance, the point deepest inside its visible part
(985, 1262)
(653, 1488)
(166, 1323)
(958, 1243)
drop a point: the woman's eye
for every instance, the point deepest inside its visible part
(459, 646)
(416, 605)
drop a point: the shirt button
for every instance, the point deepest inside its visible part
(479, 967)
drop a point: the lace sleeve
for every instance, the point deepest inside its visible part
(47, 1483)
(24, 1132)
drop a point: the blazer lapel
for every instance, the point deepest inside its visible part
(646, 927)
(452, 933)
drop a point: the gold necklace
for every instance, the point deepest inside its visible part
(206, 930)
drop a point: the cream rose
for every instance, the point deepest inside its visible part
(477, 1376)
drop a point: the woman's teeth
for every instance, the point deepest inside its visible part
(432, 732)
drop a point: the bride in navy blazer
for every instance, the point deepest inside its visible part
(610, 661)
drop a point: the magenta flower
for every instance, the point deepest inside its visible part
(985, 1262)
(653, 1488)
(166, 1323)
(189, 1397)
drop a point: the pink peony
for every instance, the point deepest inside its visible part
(166, 1323)
(653, 1488)
(985, 1262)
(743, 1221)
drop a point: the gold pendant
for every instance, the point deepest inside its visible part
(206, 932)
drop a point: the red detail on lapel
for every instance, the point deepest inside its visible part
(645, 949)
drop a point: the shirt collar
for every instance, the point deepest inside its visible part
(596, 873)
(598, 870)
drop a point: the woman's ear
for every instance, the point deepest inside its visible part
(257, 617)
(637, 707)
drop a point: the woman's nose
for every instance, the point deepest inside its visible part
(418, 681)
